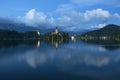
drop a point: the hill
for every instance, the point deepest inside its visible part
(107, 34)
(109, 30)
(16, 27)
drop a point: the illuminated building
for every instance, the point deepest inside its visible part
(38, 33)
(56, 31)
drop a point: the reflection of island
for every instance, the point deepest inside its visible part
(13, 43)
(103, 48)
(72, 58)
(107, 46)
(111, 47)
(71, 54)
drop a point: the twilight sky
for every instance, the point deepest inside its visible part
(67, 14)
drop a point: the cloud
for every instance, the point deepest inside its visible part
(96, 14)
(35, 18)
(74, 18)
(68, 18)
(117, 15)
(98, 26)
(64, 21)
(35, 58)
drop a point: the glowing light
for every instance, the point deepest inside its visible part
(104, 37)
(56, 44)
(38, 33)
(73, 38)
(38, 44)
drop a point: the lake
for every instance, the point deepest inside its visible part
(72, 60)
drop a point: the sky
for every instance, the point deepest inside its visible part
(71, 15)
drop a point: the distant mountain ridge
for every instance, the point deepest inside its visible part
(109, 34)
(6, 24)
(16, 26)
(109, 30)
(111, 27)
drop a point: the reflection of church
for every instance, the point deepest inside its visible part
(56, 42)
(38, 43)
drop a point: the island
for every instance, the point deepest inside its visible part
(56, 37)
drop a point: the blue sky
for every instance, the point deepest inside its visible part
(67, 14)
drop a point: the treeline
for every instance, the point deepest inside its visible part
(14, 35)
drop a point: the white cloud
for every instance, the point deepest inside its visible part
(51, 21)
(98, 26)
(74, 18)
(117, 15)
(68, 18)
(99, 14)
(35, 18)
(64, 21)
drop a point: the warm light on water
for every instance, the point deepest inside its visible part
(38, 44)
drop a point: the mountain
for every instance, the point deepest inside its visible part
(109, 30)
(16, 26)
(107, 34)
(6, 24)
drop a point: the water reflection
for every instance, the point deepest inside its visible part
(74, 58)
(33, 59)
(111, 47)
(38, 43)
(67, 58)
(107, 44)
(13, 43)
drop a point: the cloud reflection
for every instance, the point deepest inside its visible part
(33, 58)
(68, 55)
(64, 57)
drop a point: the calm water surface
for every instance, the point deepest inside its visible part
(68, 61)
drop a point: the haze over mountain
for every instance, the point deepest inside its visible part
(7, 24)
